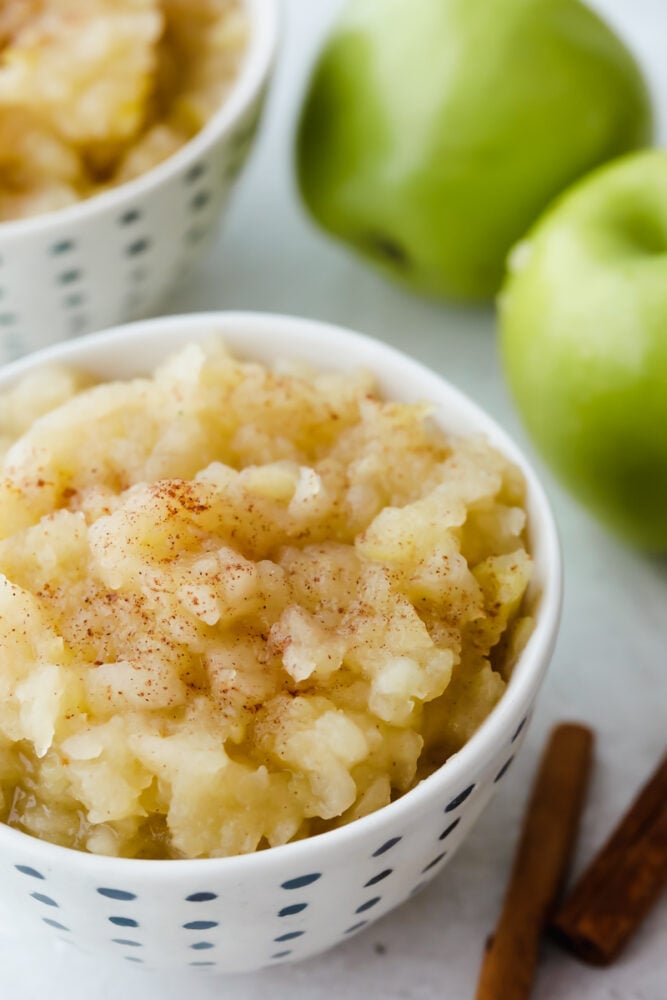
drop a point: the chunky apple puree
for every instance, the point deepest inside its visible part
(96, 92)
(240, 606)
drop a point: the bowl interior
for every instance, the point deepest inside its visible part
(136, 349)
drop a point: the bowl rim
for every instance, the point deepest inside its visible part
(265, 21)
(167, 334)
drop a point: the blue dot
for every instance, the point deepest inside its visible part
(200, 925)
(378, 878)
(54, 923)
(290, 936)
(123, 921)
(200, 200)
(64, 246)
(281, 954)
(452, 826)
(520, 728)
(301, 881)
(503, 770)
(43, 899)
(202, 945)
(195, 172)
(459, 799)
(132, 215)
(69, 277)
(356, 927)
(138, 247)
(367, 905)
(201, 964)
(32, 872)
(201, 897)
(386, 846)
(127, 943)
(117, 894)
(288, 911)
(433, 863)
(132, 958)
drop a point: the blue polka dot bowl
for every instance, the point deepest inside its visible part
(114, 257)
(285, 903)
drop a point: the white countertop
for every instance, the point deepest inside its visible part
(610, 667)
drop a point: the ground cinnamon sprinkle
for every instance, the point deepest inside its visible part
(239, 606)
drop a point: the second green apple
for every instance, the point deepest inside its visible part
(434, 132)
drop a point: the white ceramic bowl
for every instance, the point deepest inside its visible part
(286, 903)
(113, 257)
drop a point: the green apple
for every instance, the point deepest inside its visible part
(583, 319)
(434, 132)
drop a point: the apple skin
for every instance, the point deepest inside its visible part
(583, 318)
(434, 132)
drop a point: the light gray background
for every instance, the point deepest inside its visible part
(610, 667)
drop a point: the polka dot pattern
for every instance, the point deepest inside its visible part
(166, 226)
(289, 911)
(195, 173)
(289, 936)
(70, 277)
(55, 923)
(138, 247)
(380, 877)
(201, 919)
(31, 872)
(368, 904)
(432, 864)
(200, 201)
(301, 881)
(449, 829)
(130, 216)
(503, 770)
(61, 247)
(41, 898)
(120, 894)
(387, 846)
(459, 799)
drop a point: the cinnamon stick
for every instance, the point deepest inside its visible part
(540, 866)
(616, 892)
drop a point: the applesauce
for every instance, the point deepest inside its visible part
(241, 605)
(94, 93)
